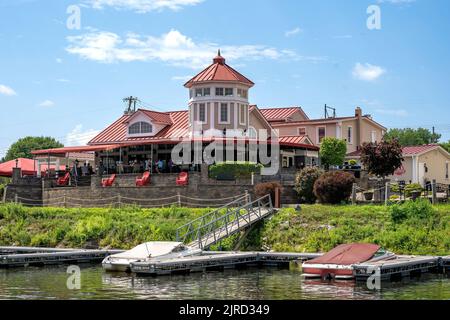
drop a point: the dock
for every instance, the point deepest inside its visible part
(216, 261)
(48, 257)
(401, 266)
(446, 263)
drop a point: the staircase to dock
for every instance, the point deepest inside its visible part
(223, 222)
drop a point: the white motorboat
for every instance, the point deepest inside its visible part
(145, 252)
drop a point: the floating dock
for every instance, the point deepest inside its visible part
(63, 256)
(446, 263)
(212, 261)
(401, 266)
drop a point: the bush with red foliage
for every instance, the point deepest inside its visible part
(334, 187)
(265, 188)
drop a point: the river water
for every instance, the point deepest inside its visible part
(51, 283)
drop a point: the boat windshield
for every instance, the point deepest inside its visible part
(380, 253)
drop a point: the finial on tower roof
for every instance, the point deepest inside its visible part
(219, 59)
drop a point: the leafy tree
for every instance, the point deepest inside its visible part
(412, 137)
(332, 152)
(382, 158)
(446, 145)
(22, 148)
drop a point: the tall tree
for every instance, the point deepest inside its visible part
(412, 137)
(446, 145)
(332, 152)
(382, 158)
(22, 148)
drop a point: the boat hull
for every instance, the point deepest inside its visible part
(328, 271)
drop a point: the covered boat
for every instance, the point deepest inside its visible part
(147, 251)
(338, 263)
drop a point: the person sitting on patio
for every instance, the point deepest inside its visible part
(160, 166)
(84, 170)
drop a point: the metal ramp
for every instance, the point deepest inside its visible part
(225, 221)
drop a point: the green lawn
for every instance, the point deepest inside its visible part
(407, 229)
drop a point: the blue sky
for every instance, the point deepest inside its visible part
(69, 83)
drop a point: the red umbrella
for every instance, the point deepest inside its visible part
(28, 166)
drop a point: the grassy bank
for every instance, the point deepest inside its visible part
(407, 229)
(404, 229)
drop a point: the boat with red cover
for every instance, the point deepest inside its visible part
(338, 263)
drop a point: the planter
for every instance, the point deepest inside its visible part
(368, 196)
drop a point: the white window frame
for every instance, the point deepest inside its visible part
(204, 90)
(220, 113)
(373, 136)
(140, 128)
(242, 120)
(218, 95)
(228, 95)
(317, 132)
(198, 113)
(348, 137)
(298, 131)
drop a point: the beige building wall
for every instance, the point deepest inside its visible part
(407, 176)
(436, 162)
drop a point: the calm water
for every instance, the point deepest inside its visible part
(50, 283)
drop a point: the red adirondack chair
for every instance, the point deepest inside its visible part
(144, 180)
(108, 182)
(63, 181)
(183, 179)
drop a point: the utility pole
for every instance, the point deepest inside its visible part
(131, 104)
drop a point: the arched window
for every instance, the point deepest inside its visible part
(140, 127)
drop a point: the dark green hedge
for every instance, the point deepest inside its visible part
(234, 169)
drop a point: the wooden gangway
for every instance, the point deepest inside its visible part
(225, 221)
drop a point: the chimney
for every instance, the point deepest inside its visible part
(358, 115)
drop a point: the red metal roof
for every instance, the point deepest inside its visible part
(159, 117)
(415, 150)
(297, 141)
(219, 71)
(280, 114)
(407, 151)
(117, 132)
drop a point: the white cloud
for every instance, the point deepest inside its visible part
(59, 60)
(173, 48)
(46, 103)
(80, 137)
(142, 6)
(367, 72)
(7, 91)
(393, 112)
(62, 80)
(292, 32)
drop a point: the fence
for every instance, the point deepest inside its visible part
(119, 201)
(394, 192)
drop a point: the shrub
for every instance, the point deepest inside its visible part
(334, 187)
(262, 189)
(2, 189)
(304, 183)
(418, 211)
(234, 169)
(409, 188)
